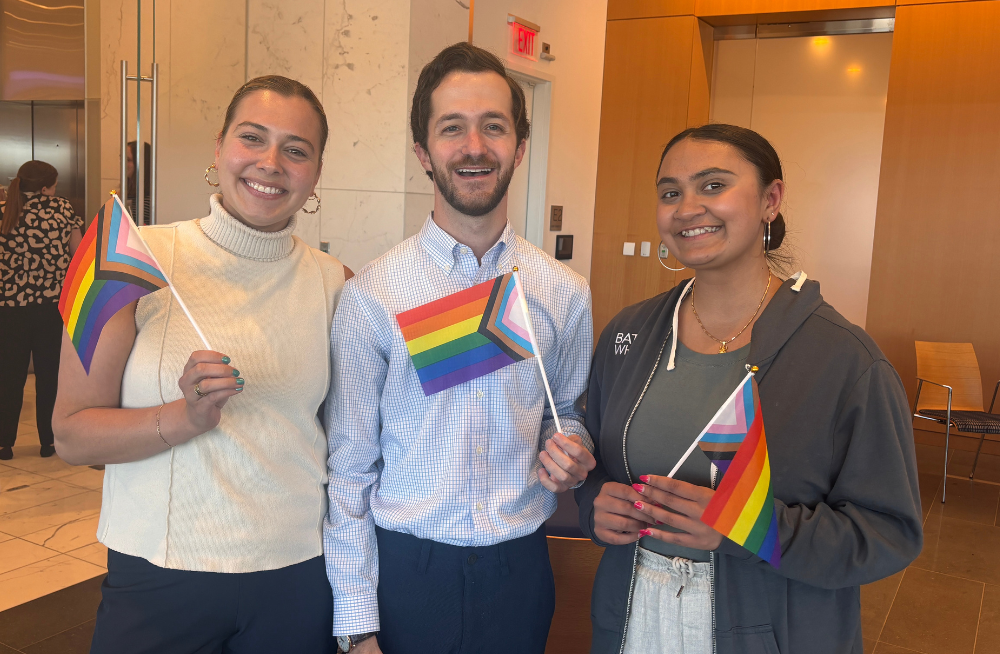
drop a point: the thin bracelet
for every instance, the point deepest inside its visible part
(158, 427)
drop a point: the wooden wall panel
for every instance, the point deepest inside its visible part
(624, 9)
(702, 54)
(647, 73)
(936, 258)
(574, 564)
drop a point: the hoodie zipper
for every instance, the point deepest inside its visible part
(628, 473)
(711, 574)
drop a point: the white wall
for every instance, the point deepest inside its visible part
(821, 102)
(575, 30)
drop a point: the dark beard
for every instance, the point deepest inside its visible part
(472, 206)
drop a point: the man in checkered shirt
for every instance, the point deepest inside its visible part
(434, 539)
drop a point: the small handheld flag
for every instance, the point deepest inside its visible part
(742, 508)
(111, 268)
(472, 333)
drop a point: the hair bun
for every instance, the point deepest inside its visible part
(777, 232)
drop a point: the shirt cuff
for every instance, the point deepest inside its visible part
(355, 615)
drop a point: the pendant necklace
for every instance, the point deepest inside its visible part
(724, 345)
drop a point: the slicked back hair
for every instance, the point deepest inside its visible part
(286, 88)
(463, 57)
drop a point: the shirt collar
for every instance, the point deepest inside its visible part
(444, 250)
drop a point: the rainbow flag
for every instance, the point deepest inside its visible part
(742, 508)
(467, 334)
(111, 268)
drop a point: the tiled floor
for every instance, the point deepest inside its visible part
(51, 566)
(48, 519)
(948, 600)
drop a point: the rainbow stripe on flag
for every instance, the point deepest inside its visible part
(111, 268)
(467, 334)
(742, 508)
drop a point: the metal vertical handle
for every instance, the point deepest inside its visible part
(152, 164)
(124, 135)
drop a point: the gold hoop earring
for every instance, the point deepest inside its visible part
(663, 248)
(312, 197)
(208, 170)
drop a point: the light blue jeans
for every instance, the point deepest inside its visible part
(671, 607)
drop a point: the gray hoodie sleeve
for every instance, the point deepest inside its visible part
(869, 527)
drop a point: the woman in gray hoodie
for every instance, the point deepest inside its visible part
(837, 422)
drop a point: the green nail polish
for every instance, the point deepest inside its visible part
(240, 381)
(236, 373)
(226, 360)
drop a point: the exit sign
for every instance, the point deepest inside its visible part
(523, 37)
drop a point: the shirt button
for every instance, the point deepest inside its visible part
(479, 506)
(479, 394)
(464, 250)
(479, 450)
(472, 559)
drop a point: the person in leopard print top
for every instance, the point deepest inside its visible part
(38, 236)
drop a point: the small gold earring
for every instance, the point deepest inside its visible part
(208, 170)
(312, 197)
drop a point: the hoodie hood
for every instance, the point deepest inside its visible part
(791, 306)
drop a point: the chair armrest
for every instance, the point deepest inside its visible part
(927, 381)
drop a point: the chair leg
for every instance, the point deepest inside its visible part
(975, 462)
(944, 483)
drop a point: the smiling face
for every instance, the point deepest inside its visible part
(269, 159)
(711, 210)
(472, 147)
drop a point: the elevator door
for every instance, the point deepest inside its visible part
(820, 100)
(517, 192)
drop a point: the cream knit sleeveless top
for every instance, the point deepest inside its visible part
(250, 494)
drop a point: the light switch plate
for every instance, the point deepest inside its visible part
(644, 249)
(629, 250)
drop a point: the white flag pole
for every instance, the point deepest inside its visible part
(710, 423)
(173, 290)
(534, 345)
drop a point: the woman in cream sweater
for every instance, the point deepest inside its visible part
(214, 491)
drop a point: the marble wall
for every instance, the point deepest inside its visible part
(353, 53)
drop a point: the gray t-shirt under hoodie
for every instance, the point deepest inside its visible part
(677, 405)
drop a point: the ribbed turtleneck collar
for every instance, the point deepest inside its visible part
(235, 237)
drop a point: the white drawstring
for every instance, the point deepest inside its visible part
(671, 362)
(684, 568)
(800, 279)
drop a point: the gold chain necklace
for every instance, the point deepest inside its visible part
(723, 345)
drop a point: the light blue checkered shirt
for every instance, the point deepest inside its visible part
(457, 467)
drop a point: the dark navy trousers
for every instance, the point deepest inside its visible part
(445, 599)
(145, 608)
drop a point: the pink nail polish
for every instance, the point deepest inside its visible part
(659, 523)
(644, 479)
(645, 532)
(638, 505)
(639, 488)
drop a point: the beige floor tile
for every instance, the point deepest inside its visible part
(55, 513)
(95, 553)
(876, 599)
(934, 613)
(4, 537)
(987, 470)
(12, 478)
(16, 553)
(968, 500)
(930, 458)
(988, 640)
(886, 648)
(26, 458)
(27, 433)
(33, 581)
(957, 547)
(68, 536)
(94, 479)
(40, 493)
(929, 483)
(869, 645)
